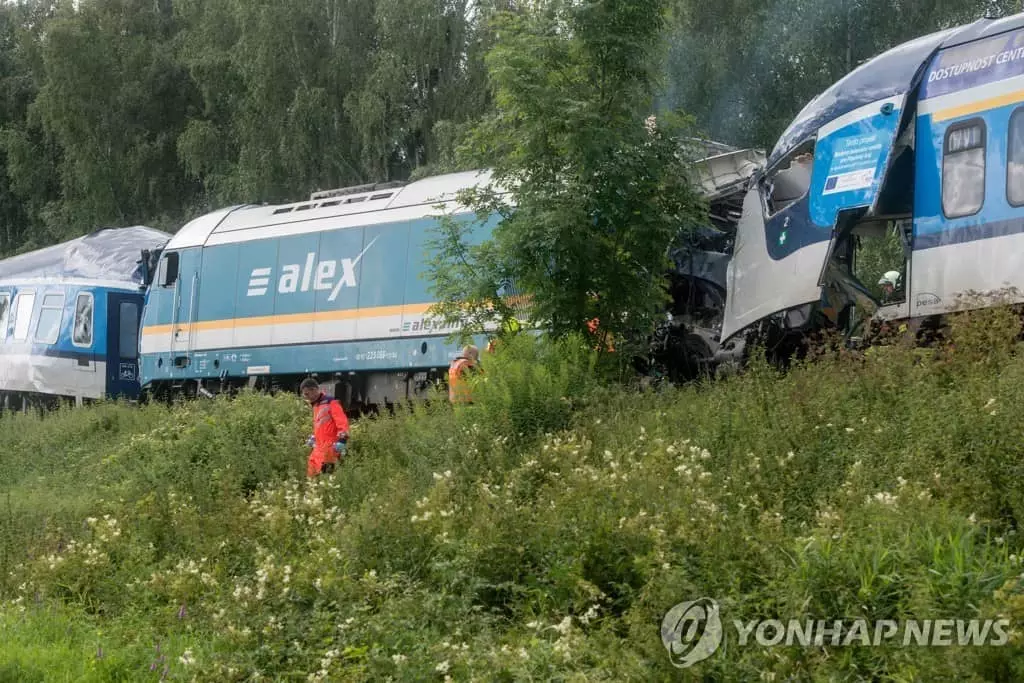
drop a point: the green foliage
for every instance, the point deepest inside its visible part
(115, 112)
(541, 532)
(600, 189)
(532, 386)
(875, 257)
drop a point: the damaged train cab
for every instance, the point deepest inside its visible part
(896, 194)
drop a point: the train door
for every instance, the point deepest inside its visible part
(181, 273)
(123, 311)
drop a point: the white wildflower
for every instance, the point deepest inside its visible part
(590, 614)
(885, 498)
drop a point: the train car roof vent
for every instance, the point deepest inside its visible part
(355, 189)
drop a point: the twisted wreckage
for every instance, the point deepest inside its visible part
(895, 195)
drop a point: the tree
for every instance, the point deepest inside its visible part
(113, 99)
(600, 187)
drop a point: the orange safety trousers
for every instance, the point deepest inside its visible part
(329, 423)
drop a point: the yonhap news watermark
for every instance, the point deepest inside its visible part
(693, 631)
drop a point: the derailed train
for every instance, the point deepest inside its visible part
(924, 143)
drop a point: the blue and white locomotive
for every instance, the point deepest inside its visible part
(69, 318)
(924, 143)
(264, 295)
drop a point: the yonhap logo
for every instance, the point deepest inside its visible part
(692, 632)
(316, 274)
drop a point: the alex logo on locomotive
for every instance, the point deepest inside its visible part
(318, 274)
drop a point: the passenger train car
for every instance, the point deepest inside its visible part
(924, 144)
(69, 318)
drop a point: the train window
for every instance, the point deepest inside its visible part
(169, 269)
(23, 304)
(790, 180)
(82, 334)
(5, 314)
(963, 169)
(129, 333)
(51, 313)
(1015, 159)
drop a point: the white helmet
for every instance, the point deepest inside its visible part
(890, 278)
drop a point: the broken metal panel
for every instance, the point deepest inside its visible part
(841, 290)
(872, 159)
(725, 174)
(789, 220)
(706, 265)
(760, 284)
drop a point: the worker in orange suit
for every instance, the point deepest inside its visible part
(330, 429)
(594, 325)
(458, 373)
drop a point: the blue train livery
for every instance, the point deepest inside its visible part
(69, 318)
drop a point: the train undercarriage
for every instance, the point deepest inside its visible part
(362, 394)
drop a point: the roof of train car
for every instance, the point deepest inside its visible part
(890, 73)
(106, 255)
(418, 197)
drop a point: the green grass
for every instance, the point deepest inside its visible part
(540, 534)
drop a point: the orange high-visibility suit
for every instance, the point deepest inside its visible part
(330, 426)
(458, 389)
